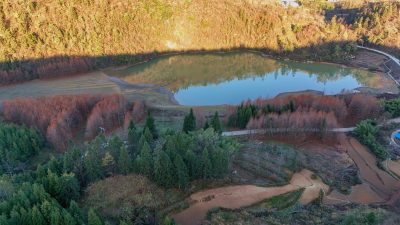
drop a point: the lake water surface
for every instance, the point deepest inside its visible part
(230, 78)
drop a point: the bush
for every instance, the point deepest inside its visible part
(366, 132)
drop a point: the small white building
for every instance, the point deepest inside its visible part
(288, 3)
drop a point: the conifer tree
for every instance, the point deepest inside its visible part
(169, 221)
(93, 164)
(145, 166)
(189, 123)
(148, 135)
(206, 164)
(75, 211)
(55, 217)
(93, 218)
(133, 135)
(151, 125)
(216, 124)
(181, 172)
(163, 169)
(194, 165)
(36, 216)
(123, 161)
(206, 125)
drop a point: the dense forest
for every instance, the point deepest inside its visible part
(49, 194)
(44, 38)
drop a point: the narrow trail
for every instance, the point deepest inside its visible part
(237, 196)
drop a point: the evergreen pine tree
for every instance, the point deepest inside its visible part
(181, 172)
(93, 164)
(148, 135)
(67, 219)
(216, 124)
(146, 161)
(163, 169)
(206, 125)
(37, 217)
(189, 123)
(169, 221)
(93, 218)
(151, 125)
(133, 136)
(123, 161)
(75, 211)
(206, 164)
(291, 106)
(55, 217)
(194, 165)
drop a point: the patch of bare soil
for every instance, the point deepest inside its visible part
(361, 193)
(381, 65)
(393, 166)
(369, 60)
(233, 197)
(378, 185)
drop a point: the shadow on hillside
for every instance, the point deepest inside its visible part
(349, 16)
(25, 70)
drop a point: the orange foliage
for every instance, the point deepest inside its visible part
(59, 117)
(107, 114)
(347, 109)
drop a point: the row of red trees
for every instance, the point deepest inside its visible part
(347, 109)
(37, 69)
(59, 117)
(295, 123)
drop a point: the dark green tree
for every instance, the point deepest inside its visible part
(124, 161)
(181, 172)
(189, 122)
(55, 217)
(148, 135)
(133, 136)
(206, 125)
(36, 216)
(163, 169)
(144, 162)
(206, 164)
(151, 125)
(93, 164)
(75, 212)
(169, 221)
(216, 124)
(93, 218)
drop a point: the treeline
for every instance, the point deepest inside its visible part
(58, 118)
(366, 132)
(77, 36)
(304, 112)
(17, 145)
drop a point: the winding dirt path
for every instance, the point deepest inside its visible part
(233, 197)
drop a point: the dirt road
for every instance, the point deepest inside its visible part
(233, 197)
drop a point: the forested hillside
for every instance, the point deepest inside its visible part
(49, 38)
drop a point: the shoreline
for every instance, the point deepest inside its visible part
(123, 85)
